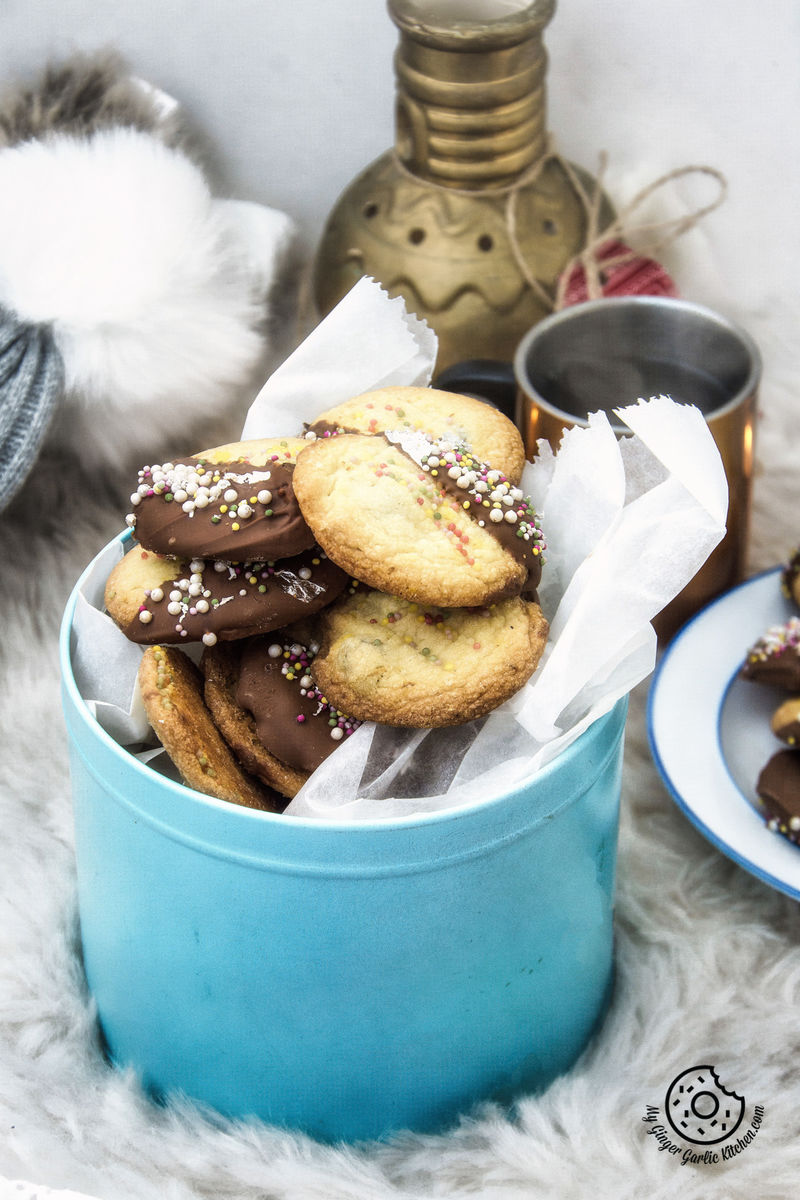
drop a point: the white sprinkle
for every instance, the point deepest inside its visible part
(264, 496)
(180, 495)
(188, 506)
(209, 639)
(174, 608)
(136, 499)
(230, 495)
(156, 594)
(202, 606)
(176, 595)
(196, 566)
(337, 734)
(275, 650)
(145, 617)
(195, 589)
(306, 681)
(510, 516)
(201, 500)
(794, 823)
(496, 515)
(244, 510)
(304, 573)
(220, 566)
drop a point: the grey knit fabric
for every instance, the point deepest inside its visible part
(31, 385)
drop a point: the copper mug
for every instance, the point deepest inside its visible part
(604, 354)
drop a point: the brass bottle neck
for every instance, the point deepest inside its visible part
(471, 109)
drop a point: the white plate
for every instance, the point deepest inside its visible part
(709, 730)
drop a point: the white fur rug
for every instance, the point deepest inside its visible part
(708, 957)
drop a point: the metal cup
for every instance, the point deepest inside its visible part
(607, 353)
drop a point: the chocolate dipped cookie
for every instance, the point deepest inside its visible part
(778, 790)
(785, 723)
(269, 710)
(234, 502)
(775, 657)
(461, 419)
(790, 578)
(154, 599)
(418, 518)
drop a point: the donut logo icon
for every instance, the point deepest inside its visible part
(700, 1109)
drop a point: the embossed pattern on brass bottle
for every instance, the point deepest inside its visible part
(470, 186)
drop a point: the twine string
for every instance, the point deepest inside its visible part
(666, 230)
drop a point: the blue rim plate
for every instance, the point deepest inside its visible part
(709, 730)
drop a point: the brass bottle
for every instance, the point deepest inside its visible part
(470, 188)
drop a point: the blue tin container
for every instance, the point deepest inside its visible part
(344, 980)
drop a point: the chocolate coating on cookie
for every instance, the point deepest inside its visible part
(778, 789)
(419, 519)
(155, 600)
(230, 510)
(775, 658)
(494, 503)
(294, 720)
(790, 578)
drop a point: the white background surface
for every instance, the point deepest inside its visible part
(298, 97)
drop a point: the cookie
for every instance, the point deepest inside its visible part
(419, 519)
(155, 599)
(790, 578)
(398, 663)
(234, 502)
(462, 419)
(172, 691)
(265, 704)
(785, 723)
(778, 789)
(775, 658)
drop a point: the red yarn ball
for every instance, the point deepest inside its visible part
(637, 276)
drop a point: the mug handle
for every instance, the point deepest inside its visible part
(489, 379)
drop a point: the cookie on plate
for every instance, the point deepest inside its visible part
(775, 657)
(399, 663)
(268, 709)
(155, 599)
(419, 518)
(172, 692)
(778, 790)
(233, 502)
(790, 578)
(462, 419)
(785, 723)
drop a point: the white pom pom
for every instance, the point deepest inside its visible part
(155, 290)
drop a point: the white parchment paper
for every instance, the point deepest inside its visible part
(628, 523)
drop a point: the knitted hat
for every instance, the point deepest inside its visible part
(31, 384)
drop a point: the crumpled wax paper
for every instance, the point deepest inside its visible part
(628, 522)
